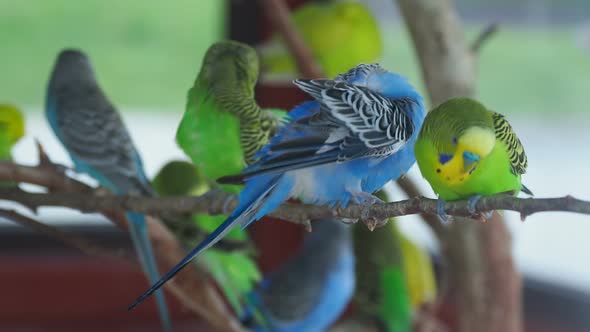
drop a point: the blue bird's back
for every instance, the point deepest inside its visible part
(311, 290)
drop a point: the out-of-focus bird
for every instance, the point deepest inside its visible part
(357, 135)
(340, 35)
(12, 129)
(233, 267)
(394, 276)
(465, 151)
(94, 135)
(310, 290)
(223, 126)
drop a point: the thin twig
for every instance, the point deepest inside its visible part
(483, 37)
(278, 13)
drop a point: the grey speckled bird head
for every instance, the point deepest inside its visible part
(73, 66)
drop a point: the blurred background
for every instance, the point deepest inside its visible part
(535, 70)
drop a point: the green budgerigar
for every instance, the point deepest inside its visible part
(394, 276)
(340, 35)
(465, 151)
(221, 131)
(12, 129)
(234, 270)
(223, 126)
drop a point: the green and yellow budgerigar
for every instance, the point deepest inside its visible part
(394, 276)
(234, 270)
(223, 126)
(340, 34)
(465, 151)
(12, 129)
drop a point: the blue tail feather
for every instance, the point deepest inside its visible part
(260, 196)
(143, 248)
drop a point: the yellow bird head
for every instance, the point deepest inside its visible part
(474, 144)
(12, 123)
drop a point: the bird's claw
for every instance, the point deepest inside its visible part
(440, 212)
(366, 201)
(486, 215)
(482, 215)
(373, 223)
(349, 221)
(471, 203)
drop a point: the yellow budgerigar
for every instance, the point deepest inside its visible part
(340, 34)
(12, 128)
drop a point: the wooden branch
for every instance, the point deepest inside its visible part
(213, 201)
(193, 287)
(478, 258)
(278, 13)
(441, 48)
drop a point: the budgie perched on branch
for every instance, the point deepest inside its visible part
(221, 130)
(394, 276)
(94, 135)
(357, 135)
(223, 126)
(340, 35)
(233, 269)
(465, 151)
(12, 129)
(311, 289)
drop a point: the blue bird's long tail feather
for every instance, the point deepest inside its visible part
(261, 196)
(143, 248)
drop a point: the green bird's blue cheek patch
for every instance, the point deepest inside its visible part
(444, 158)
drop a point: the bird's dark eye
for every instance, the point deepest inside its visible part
(455, 141)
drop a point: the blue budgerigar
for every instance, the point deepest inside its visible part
(310, 290)
(94, 135)
(356, 136)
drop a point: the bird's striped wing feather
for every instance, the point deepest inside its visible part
(353, 122)
(516, 154)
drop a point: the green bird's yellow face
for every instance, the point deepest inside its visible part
(464, 149)
(12, 124)
(475, 144)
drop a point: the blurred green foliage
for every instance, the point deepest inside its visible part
(534, 69)
(147, 53)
